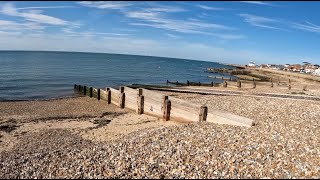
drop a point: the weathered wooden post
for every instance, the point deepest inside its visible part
(122, 98)
(121, 89)
(177, 83)
(225, 84)
(289, 81)
(79, 88)
(203, 113)
(289, 87)
(254, 84)
(140, 101)
(271, 84)
(188, 83)
(91, 92)
(75, 86)
(167, 109)
(164, 99)
(108, 95)
(98, 95)
(239, 83)
(84, 90)
(140, 108)
(211, 83)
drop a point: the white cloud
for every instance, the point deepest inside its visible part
(31, 15)
(14, 26)
(307, 27)
(156, 20)
(260, 21)
(105, 4)
(257, 2)
(211, 8)
(46, 7)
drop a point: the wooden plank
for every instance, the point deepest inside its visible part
(220, 117)
(152, 94)
(178, 113)
(115, 96)
(94, 93)
(103, 95)
(130, 91)
(183, 103)
(152, 108)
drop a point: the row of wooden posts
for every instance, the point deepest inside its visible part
(166, 103)
(225, 84)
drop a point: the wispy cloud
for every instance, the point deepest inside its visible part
(156, 20)
(257, 2)
(210, 8)
(46, 7)
(307, 26)
(31, 15)
(105, 4)
(260, 21)
(167, 9)
(15, 26)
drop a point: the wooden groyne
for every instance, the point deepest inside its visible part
(189, 83)
(144, 101)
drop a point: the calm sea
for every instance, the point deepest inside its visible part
(43, 75)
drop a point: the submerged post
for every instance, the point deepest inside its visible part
(84, 90)
(188, 83)
(203, 113)
(79, 88)
(75, 86)
(167, 82)
(211, 83)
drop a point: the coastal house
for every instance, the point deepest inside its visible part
(317, 72)
(252, 64)
(295, 67)
(263, 66)
(310, 68)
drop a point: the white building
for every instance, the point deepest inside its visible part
(252, 64)
(317, 72)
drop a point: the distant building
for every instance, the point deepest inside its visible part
(263, 66)
(252, 64)
(310, 68)
(295, 67)
(317, 72)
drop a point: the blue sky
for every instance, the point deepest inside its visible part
(230, 32)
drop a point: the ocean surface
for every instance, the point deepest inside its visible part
(28, 75)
